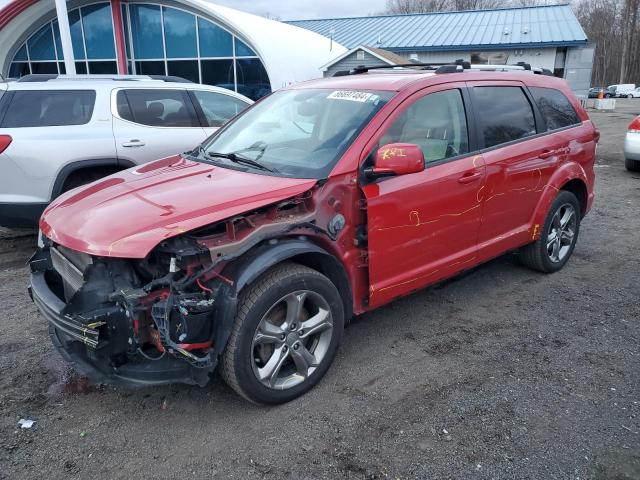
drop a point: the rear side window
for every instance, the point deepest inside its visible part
(505, 114)
(555, 107)
(157, 108)
(48, 108)
(218, 108)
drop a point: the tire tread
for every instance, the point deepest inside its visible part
(248, 298)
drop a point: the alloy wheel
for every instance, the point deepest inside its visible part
(562, 231)
(291, 340)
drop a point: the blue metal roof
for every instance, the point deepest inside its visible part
(552, 25)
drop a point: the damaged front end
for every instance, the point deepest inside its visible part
(165, 318)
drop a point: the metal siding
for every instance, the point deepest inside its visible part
(351, 61)
(552, 25)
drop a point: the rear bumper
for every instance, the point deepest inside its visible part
(21, 215)
(632, 146)
(77, 345)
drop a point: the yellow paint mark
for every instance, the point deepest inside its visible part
(414, 216)
(429, 274)
(393, 152)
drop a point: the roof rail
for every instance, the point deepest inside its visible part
(38, 77)
(458, 66)
(45, 77)
(364, 69)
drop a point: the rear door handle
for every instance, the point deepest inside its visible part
(548, 154)
(133, 143)
(470, 177)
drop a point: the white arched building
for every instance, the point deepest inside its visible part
(194, 39)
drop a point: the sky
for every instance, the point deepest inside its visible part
(304, 9)
(298, 9)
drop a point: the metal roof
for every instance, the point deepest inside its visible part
(551, 25)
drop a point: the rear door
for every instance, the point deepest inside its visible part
(424, 226)
(519, 159)
(153, 123)
(215, 108)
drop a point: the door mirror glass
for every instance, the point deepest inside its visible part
(397, 159)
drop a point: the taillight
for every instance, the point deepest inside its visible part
(5, 141)
(633, 126)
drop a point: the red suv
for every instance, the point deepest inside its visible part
(322, 201)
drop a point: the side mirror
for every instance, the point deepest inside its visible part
(397, 159)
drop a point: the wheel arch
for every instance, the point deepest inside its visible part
(75, 167)
(571, 178)
(246, 269)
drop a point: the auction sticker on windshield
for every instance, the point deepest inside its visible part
(350, 95)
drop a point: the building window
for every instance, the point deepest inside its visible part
(360, 54)
(91, 37)
(490, 58)
(159, 40)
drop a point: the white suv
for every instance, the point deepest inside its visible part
(58, 132)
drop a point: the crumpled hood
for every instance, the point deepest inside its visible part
(129, 213)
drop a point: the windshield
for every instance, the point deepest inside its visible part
(296, 133)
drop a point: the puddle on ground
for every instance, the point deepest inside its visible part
(66, 381)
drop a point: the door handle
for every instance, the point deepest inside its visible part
(470, 177)
(133, 143)
(548, 154)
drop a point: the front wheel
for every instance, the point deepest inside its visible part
(285, 336)
(629, 96)
(551, 251)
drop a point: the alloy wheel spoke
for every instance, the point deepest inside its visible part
(566, 237)
(320, 322)
(303, 360)
(552, 238)
(270, 371)
(555, 254)
(566, 217)
(268, 333)
(295, 303)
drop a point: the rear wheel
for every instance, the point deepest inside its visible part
(632, 165)
(551, 251)
(285, 336)
(629, 96)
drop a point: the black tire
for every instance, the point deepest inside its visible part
(632, 165)
(536, 255)
(238, 362)
(629, 96)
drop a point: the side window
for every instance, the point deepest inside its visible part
(436, 123)
(555, 107)
(505, 114)
(218, 108)
(48, 108)
(157, 108)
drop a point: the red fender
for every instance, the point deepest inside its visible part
(562, 176)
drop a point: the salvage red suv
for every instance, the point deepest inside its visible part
(322, 201)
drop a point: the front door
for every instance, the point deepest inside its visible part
(423, 227)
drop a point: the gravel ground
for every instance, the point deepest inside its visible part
(500, 373)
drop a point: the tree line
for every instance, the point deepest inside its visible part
(612, 25)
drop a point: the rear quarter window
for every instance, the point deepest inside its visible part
(505, 114)
(49, 108)
(555, 107)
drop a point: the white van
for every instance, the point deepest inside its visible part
(622, 89)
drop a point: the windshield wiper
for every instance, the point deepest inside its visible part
(235, 158)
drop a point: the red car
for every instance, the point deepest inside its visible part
(322, 201)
